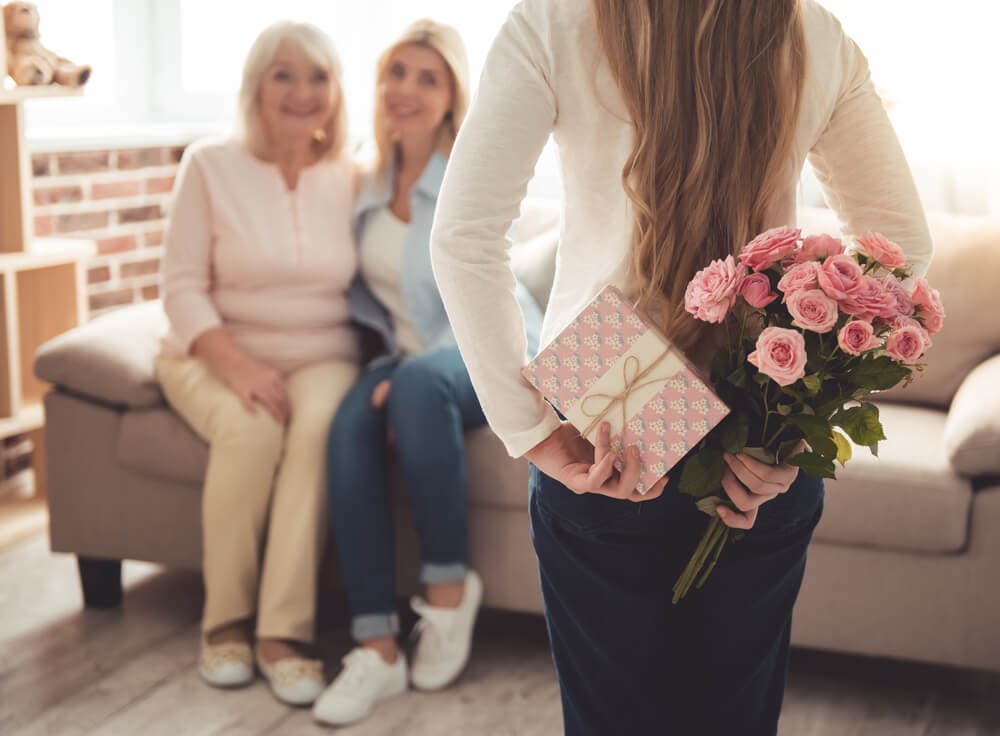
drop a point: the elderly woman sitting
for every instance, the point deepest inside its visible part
(259, 257)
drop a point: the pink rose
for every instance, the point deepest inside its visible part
(713, 290)
(813, 310)
(907, 341)
(929, 306)
(769, 247)
(894, 287)
(797, 278)
(818, 248)
(870, 300)
(882, 250)
(780, 354)
(856, 337)
(839, 276)
(756, 290)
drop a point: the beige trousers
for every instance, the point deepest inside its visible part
(264, 481)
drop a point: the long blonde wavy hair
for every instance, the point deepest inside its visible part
(447, 42)
(713, 90)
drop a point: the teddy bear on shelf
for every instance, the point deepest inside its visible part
(28, 61)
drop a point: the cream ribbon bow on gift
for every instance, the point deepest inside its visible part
(629, 365)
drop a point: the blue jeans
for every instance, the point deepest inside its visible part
(631, 662)
(431, 403)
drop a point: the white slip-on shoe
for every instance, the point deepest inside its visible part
(442, 650)
(226, 665)
(293, 680)
(365, 681)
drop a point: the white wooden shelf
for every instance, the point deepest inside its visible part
(43, 283)
(28, 419)
(10, 95)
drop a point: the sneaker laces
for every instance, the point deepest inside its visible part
(435, 628)
(358, 664)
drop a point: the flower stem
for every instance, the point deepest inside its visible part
(715, 529)
(715, 558)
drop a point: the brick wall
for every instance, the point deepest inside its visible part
(117, 197)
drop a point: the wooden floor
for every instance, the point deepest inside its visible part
(67, 671)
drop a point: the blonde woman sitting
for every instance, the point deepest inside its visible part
(418, 391)
(259, 258)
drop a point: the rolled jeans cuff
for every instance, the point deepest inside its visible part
(374, 626)
(431, 574)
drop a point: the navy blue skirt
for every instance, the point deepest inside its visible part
(631, 662)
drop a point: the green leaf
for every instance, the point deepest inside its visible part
(760, 378)
(786, 449)
(813, 383)
(759, 453)
(810, 425)
(878, 374)
(861, 423)
(702, 473)
(738, 377)
(844, 451)
(818, 433)
(708, 504)
(814, 465)
(735, 433)
(783, 409)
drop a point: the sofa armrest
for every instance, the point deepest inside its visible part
(972, 430)
(111, 359)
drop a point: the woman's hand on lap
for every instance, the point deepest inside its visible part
(256, 383)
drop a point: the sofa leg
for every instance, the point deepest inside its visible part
(101, 581)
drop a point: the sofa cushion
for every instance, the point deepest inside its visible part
(158, 442)
(972, 432)
(965, 267)
(110, 359)
(909, 498)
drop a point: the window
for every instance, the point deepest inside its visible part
(178, 61)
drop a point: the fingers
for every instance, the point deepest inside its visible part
(380, 394)
(248, 403)
(602, 443)
(599, 473)
(629, 477)
(759, 477)
(743, 499)
(655, 492)
(736, 519)
(273, 396)
(271, 406)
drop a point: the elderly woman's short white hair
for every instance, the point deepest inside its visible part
(318, 47)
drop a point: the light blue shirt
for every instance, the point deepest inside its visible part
(419, 288)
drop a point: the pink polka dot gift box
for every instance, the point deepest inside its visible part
(610, 364)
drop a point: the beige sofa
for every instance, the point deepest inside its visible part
(904, 563)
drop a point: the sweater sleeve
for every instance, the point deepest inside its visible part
(492, 161)
(860, 164)
(187, 258)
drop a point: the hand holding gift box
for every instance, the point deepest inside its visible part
(609, 364)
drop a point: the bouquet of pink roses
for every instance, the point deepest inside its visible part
(813, 331)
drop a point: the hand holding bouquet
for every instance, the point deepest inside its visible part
(813, 331)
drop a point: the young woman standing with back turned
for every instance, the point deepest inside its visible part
(683, 126)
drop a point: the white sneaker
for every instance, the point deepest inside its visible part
(366, 680)
(445, 637)
(293, 680)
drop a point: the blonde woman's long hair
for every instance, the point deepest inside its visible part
(713, 89)
(319, 49)
(447, 42)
